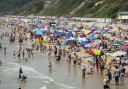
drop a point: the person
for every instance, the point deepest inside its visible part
(106, 86)
(23, 53)
(50, 66)
(101, 64)
(58, 58)
(20, 72)
(24, 78)
(116, 75)
(0, 46)
(55, 52)
(0, 62)
(122, 75)
(83, 71)
(1, 37)
(5, 50)
(109, 75)
(14, 54)
(19, 55)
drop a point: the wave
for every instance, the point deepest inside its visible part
(33, 74)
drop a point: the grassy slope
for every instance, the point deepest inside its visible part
(109, 8)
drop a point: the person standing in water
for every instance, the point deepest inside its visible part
(5, 50)
(20, 72)
(23, 53)
(50, 66)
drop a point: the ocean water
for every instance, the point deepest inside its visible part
(36, 80)
(9, 72)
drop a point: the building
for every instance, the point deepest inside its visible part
(122, 17)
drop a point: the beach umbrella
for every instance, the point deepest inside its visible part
(124, 47)
(38, 32)
(84, 39)
(97, 32)
(107, 35)
(42, 41)
(80, 39)
(117, 43)
(83, 43)
(82, 35)
(91, 36)
(89, 45)
(93, 28)
(118, 53)
(97, 52)
(90, 51)
(97, 41)
(86, 32)
(69, 34)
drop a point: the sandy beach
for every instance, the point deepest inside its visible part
(62, 75)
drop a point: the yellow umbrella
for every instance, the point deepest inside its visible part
(97, 52)
(42, 41)
(86, 32)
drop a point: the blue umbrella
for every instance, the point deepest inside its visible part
(69, 34)
(38, 31)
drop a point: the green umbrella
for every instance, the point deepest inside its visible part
(117, 43)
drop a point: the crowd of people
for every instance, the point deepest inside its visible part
(70, 50)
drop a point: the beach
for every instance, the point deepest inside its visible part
(62, 75)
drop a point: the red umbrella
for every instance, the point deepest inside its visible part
(90, 52)
(124, 47)
(83, 35)
(38, 36)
